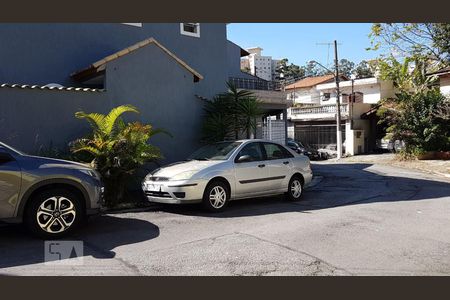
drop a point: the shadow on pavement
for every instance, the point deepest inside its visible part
(342, 184)
(100, 236)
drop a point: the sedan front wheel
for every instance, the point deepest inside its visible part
(216, 196)
(54, 213)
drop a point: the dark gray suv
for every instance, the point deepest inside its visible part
(51, 196)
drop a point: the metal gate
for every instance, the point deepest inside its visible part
(273, 130)
(317, 136)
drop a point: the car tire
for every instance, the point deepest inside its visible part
(295, 188)
(216, 196)
(54, 213)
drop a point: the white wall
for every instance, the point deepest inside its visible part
(373, 90)
(304, 96)
(445, 85)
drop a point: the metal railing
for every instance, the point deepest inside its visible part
(256, 84)
(323, 109)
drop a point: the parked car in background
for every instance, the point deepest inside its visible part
(302, 149)
(220, 172)
(295, 146)
(386, 145)
(398, 146)
(383, 145)
(329, 151)
(51, 196)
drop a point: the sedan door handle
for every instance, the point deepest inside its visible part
(261, 166)
(285, 162)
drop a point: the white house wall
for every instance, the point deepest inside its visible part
(445, 86)
(305, 96)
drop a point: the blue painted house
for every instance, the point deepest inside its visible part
(50, 71)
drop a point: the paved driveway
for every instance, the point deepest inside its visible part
(359, 219)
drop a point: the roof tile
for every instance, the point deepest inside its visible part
(309, 82)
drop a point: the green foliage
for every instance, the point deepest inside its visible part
(248, 110)
(364, 70)
(346, 67)
(425, 40)
(229, 114)
(289, 71)
(409, 75)
(419, 114)
(218, 123)
(312, 69)
(117, 148)
(419, 118)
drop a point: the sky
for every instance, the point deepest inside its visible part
(298, 41)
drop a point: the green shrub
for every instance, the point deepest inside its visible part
(117, 149)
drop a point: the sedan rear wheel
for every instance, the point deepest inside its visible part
(295, 189)
(216, 196)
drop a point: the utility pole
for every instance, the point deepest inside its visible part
(338, 104)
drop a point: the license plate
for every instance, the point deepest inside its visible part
(153, 187)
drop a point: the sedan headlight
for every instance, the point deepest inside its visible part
(184, 175)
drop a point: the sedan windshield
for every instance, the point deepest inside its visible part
(217, 151)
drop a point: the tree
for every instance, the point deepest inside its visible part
(311, 69)
(430, 41)
(346, 67)
(218, 122)
(229, 114)
(441, 40)
(363, 70)
(416, 119)
(418, 114)
(289, 71)
(116, 148)
(249, 109)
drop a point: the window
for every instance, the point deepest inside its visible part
(326, 96)
(190, 29)
(253, 150)
(274, 151)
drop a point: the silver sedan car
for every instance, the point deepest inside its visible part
(220, 172)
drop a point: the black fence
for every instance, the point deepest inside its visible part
(317, 136)
(256, 84)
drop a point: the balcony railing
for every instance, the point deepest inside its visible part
(256, 84)
(328, 110)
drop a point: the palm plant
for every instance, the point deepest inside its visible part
(249, 110)
(235, 98)
(229, 114)
(218, 122)
(117, 148)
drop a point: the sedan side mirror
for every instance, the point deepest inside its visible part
(244, 158)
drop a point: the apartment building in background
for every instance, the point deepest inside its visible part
(259, 65)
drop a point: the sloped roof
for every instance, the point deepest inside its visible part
(243, 52)
(99, 66)
(51, 88)
(309, 82)
(441, 72)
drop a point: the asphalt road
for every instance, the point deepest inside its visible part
(358, 219)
